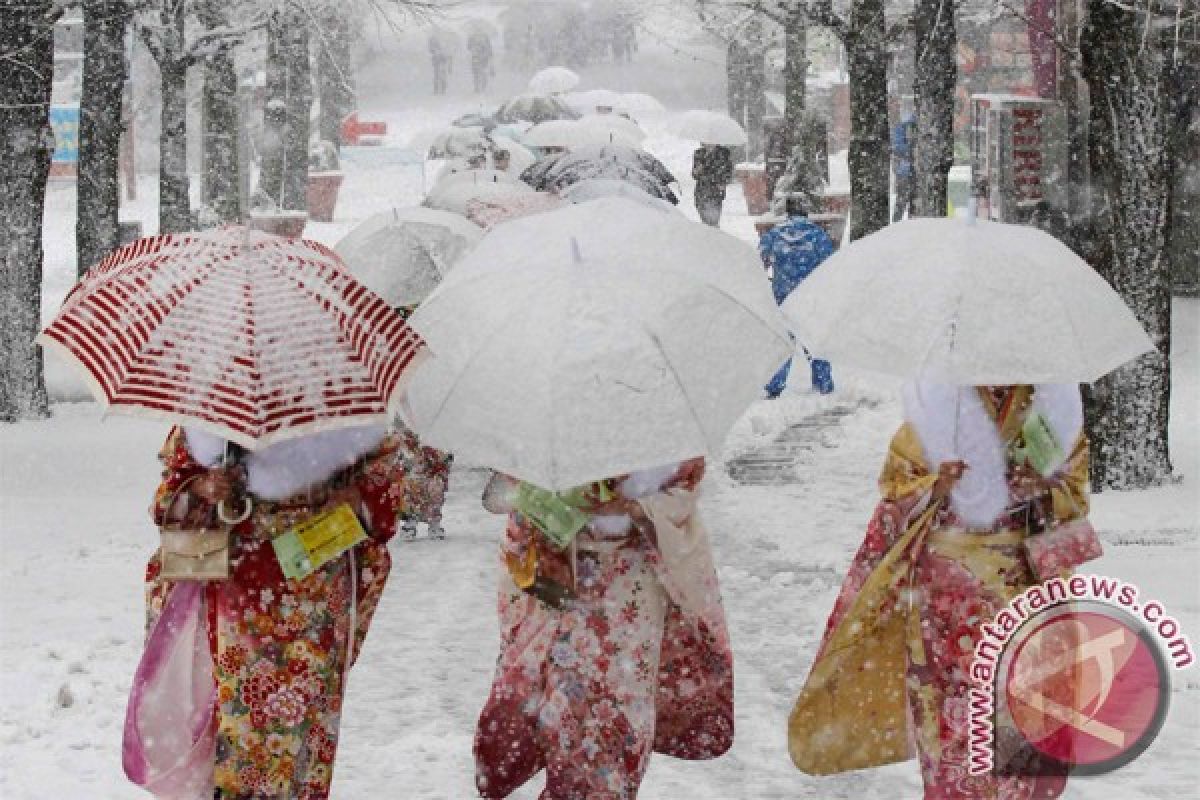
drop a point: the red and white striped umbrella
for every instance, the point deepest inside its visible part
(254, 337)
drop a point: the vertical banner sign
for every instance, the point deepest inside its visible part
(1027, 159)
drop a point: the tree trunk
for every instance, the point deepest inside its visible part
(1183, 237)
(335, 75)
(735, 80)
(174, 204)
(935, 74)
(795, 74)
(870, 145)
(26, 77)
(222, 186)
(756, 103)
(105, 69)
(289, 101)
(1128, 74)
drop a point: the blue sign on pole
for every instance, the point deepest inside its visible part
(65, 122)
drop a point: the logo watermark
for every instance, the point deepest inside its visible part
(1072, 675)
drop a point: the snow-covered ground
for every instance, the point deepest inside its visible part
(74, 536)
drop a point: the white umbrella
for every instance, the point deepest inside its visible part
(570, 134)
(458, 142)
(588, 101)
(553, 80)
(640, 103)
(951, 301)
(534, 108)
(594, 340)
(595, 188)
(614, 123)
(402, 254)
(475, 176)
(455, 195)
(710, 127)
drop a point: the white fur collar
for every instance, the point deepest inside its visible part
(952, 424)
(288, 468)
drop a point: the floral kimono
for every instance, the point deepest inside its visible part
(427, 473)
(893, 668)
(639, 661)
(281, 648)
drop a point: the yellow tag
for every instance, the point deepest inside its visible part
(326, 536)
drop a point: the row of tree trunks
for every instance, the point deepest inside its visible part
(100, 125)
(26, 140)
(1128, 65)
(288, 104)
(935, 76)
(865, 39)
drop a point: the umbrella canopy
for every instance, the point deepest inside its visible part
(476, 176)
(457, 142)
(618, 340)
(614, 123)
(588, 101)
(596, 188)
(571, 134)
(402, 254)
(252, 337)
(488, 212)
(640, 103)
(980, 303)
(456, 195)
(553, 80)
(710, 127)
(520, 157)
(534, 108)
(614, 162)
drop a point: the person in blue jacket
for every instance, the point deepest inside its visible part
(791, 251)
(902, 165)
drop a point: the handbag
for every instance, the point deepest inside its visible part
(198, 554)
(1063, 547)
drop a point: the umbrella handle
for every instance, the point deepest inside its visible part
(224, 517)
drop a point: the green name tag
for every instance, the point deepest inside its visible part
(556, 518)
(1042, 450)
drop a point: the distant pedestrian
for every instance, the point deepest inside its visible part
(712, 167)
(441, 62)
(480, 46)
(902, 165)
(791, 251)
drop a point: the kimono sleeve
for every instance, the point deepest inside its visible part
(1069, 492)
(173, 501)
(380, 485)
(905, 476)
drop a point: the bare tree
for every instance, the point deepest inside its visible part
(1131, 60)
(26, 79)
(221, 191)
(105, 69)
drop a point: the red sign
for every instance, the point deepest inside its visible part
(353, 130)
(1027, 154)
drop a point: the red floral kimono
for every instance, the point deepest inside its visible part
(639, 662)
(894, 664)
(281, 646)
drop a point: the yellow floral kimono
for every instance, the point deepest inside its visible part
(893, 668)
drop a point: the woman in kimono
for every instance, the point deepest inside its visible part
(610, 649)
(282, 647)
(963, 526)
(427, 477)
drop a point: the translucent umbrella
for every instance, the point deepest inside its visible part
(594, 340)
(640, 103)
(534, 108)
(616, 124)
(553, 80)
(458, 143)
(402, 254)
(456, 195)
(949, 301)
(586, 102)
(596, 188)
(571, 134)
(710, 127)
